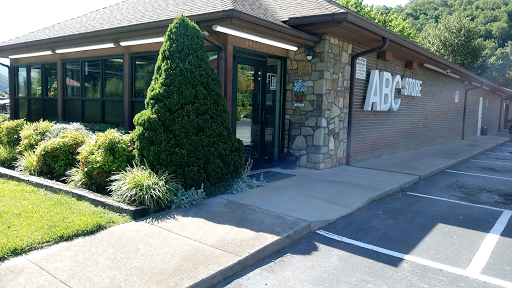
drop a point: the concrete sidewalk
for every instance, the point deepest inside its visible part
(205, 243)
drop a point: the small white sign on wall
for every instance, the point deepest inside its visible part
(487, 102)
(457, 96)
(361, 68)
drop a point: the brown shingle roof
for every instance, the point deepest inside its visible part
(133, 12)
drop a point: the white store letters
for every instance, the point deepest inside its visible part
(381, 90)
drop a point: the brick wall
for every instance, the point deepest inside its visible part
(490, 112)
(433, 118)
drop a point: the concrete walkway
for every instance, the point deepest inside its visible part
(205, 243)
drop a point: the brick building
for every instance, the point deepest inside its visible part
(97, 68)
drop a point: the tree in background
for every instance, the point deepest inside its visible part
(492, 17)
(185, 129)
(456, 38)
(387, 19)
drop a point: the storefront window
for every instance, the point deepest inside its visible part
(98, 88)
(35, 79)
(92, 79)
(73, 79)
(114, 78)
(51, 80)
(21, 88)
(32, 92)
(144, 69)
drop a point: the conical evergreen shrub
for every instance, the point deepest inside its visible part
(185, 128)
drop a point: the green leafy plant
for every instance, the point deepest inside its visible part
(32, 134)
(55, 156)
(99, 158)
(140, 186)
(5, 116)
(185, 198)
(10, 132)
(185, 128)
(7, 156)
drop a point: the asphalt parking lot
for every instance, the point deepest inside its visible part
(450, 230)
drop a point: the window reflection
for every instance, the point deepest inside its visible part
(51, 79)
(22, 82)
(35, 79)
(114, 78)
(92, 79)
(144, 70)
(73, 79)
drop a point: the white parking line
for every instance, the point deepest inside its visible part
(484, 252)
(459, 202)
(490, 162)
(506, 154)
(474, 174)
(432, 264)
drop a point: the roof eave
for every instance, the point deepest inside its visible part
(71, 41)
(356, 19)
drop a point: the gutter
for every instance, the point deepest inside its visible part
(465, 104)
(385, 42)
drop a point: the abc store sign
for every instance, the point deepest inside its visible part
(381, 90)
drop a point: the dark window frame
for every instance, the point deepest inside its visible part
(102, 99)
(28, 84)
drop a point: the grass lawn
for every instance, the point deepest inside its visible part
(31, 218)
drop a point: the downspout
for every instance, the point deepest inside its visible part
(501, 105)
(465, 104)
(385, 42)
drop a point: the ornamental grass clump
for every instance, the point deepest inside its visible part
(138, 185)
(99, 158)
(7, 155)
(185, 128)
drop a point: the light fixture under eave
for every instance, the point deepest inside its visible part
(486, 88)
(241, 34)
(30, 54)
(142, 41)
(499, 93)
(447, 72)
(476, 84)
(84, 48)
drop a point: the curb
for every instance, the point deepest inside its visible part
(77, 193)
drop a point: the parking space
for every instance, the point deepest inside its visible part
(457, 221)
(450, 230)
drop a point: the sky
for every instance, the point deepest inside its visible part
(39, 14)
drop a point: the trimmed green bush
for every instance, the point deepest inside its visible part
(185, 128)
(99, 158)
(53, 157)
(58, 155)
(32, 134)
(141, 186)
(10, 132)
(7, 155)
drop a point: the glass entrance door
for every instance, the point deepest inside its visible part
(249, 122)
(258, 108)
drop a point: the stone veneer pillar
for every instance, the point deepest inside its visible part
(319, 128)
